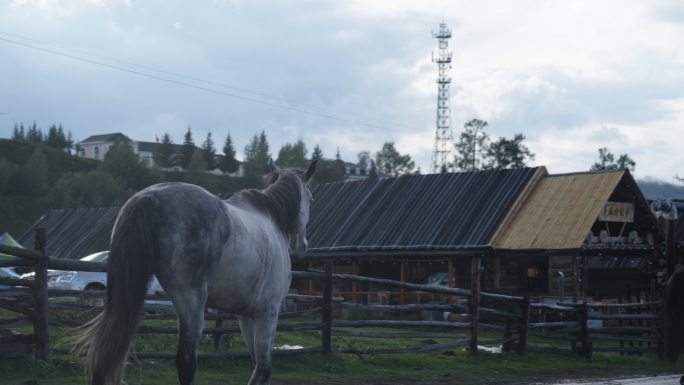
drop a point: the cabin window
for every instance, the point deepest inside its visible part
(96, 152)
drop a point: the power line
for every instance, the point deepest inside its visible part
(195, 86)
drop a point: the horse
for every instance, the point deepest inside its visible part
(673, 314)
(232, 255)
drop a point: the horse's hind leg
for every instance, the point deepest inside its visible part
(247, 330)
(190, 310)
(264, 328)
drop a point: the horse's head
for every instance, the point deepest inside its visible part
(298, 242)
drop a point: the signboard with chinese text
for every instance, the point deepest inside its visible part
(617, 212)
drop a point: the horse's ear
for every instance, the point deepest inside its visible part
(311, 170)
(273, 166)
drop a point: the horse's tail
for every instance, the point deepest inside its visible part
(134, 250)
(673, 311)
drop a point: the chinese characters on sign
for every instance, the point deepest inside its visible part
(617, 212)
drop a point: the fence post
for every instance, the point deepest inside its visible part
(474, 302)
(584, 332)
(40, 299)
(524, 322)
(326, 331)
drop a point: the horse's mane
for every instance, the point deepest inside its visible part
(281, 198)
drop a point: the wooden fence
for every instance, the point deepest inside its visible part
(581, 327)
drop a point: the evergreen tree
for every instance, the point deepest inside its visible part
(317, 153)
(472, 146)
(390, 162)
(165, 152)
(209, 152)
(508, 153)
(256, 156)
(188, 149)
(198, 162)
(228, 162)
(70, 142)
(18, 132)
(34, 134)
(293, 155)
(55, 138)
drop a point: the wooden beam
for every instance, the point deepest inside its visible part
(402, 278)
(475, 265)
(355, 271)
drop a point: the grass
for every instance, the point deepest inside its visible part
(450, 366)
(453, 366)
(457, 367)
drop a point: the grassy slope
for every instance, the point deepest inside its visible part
(19, 212)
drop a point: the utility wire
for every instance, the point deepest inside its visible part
(190, 85)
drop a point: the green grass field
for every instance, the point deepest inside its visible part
(450, 366)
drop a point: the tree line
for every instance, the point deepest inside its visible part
(54, 137)
(257, 152)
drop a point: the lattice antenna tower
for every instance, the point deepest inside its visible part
(443, 136)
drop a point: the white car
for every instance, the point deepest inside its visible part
(90, 280)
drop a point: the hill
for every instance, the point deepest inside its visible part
(61, 180)
(657, 189)
(20, 210)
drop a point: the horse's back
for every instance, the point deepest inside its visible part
(191, 227)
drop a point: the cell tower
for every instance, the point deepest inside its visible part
(443, 136)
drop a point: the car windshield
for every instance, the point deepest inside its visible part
(97, 257)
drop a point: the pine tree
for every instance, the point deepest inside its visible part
(165, 151)
(18, 132)
(472, 146)
(34, 134)
(188, 149)
(228, 162)
(209, 152)
(256, 156)
(317, 153)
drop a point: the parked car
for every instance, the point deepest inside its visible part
(91, 280)
(440, 278)
(6, 272)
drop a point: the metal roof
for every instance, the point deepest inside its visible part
(105, 138)
(413, 212)
(74, 233)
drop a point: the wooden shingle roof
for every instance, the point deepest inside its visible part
(559, 212)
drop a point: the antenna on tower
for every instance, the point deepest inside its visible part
(443, 136)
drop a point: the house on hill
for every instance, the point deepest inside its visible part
(96, 146)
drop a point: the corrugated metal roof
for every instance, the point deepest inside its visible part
(438, 211)
(74, 233)
(559, 212)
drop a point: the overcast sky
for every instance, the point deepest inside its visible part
(572, 76)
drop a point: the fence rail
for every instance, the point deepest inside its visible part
(586, 327)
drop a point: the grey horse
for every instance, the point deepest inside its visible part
(233, 255)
